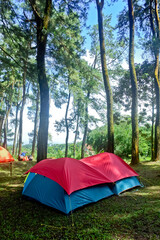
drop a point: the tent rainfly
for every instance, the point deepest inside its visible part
(5, 156)
(67, 183)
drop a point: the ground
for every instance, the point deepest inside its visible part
(132, 215)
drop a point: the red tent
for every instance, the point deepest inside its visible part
(73, 174)
(5, 156)
(111, 165)
(70, 173)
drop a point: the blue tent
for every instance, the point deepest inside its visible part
(125, 184)
(50, 193)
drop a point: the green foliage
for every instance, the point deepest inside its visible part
(114, 49)
(123, 136)
(146, 94)
(54, 150)
(58, 150)
(97, 139)
(145, 141)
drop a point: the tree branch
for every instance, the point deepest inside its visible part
(35, 10)
(113, 60)
(10, 57)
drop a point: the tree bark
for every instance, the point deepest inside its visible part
(15, 131)
(76, 132)
(152, 131)
(157, 125)
(44, 98)
(42, 26)
(17, 142)
(85, 127)
(35, 124)
(157, 86)
(155, 27)
(135, 129)
(6, 126)
(22, 107)
(1, 126)
(8, 109)
(107, 86)
(66, 123)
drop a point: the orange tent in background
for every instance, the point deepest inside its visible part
(5, 156)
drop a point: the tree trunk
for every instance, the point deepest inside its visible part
(152, 131)
(76, 133)
(6, 126)
(155, 27)
(15, 131)
(35, 125)
(157, 86)
(135, 130)
(17, 142)
(22, 107)
(66, 123)
(1, 126)
(44, 99)
(42, 26)
(157, 125)
(85, 127)
(106, 78)
(2, 115)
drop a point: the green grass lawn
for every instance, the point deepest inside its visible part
(132, 215)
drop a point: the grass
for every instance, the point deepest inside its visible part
(132, 215)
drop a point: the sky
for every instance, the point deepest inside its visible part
(58, 114)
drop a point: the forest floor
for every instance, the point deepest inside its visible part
(132, 215)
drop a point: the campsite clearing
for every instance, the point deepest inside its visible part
(132, 215)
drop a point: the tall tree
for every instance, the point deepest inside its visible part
(107, 86)
(16, 127)
(35, 124)
(66, 118)
(9, 93)
(155, 27)
(1, 124)
(76, 128)
(146, 95)
(8, 108)
(33, 114)
(23, 104)
(86, 118)
(42, 19)
(135, 130)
